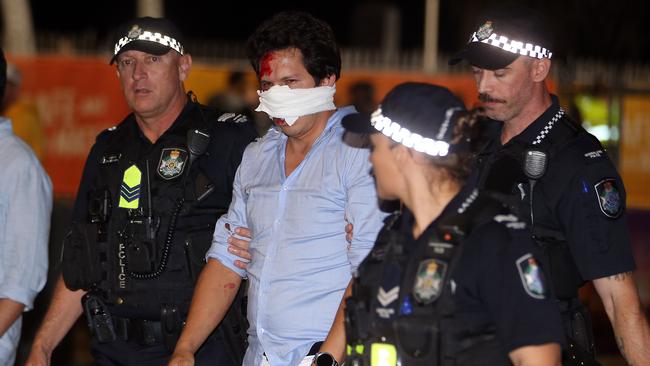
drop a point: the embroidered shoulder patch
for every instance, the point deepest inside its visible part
(531, 276)
(172, 163)
(594, 154)
(609, 198)
(429, 280)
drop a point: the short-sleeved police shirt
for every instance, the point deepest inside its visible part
(581, 194)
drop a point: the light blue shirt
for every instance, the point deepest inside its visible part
(301, 262)
(25, 207)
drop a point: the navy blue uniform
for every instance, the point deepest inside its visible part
(578, 208)
(581, 196)
(468, 291)
(142, 222)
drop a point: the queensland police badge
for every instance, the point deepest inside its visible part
(135, 32)
(429, 280)
(484, 31)
(531, 276)
(609, 198)
(172, 163)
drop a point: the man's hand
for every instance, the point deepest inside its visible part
(348, 232)
(239, 247)
(181, 358)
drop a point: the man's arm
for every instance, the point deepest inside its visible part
(9, 312)
(336, 341)
(215, 291)
(621, 300)
(63, 312)
(540, 355)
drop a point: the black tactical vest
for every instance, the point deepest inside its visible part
(503, 177)
(402, 307)
(150, 219)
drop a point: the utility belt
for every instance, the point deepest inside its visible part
(141, 331)
(479, 349)
(566, 282)
(106, 327)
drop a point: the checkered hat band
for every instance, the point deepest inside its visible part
(402, 135)
(510, 45)
(151, 37)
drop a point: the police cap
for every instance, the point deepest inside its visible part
(503, 34)
(156, 36)
(417, 115)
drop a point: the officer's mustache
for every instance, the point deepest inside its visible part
(486, 98)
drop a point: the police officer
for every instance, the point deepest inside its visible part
(558, 176)
(151, 191)
(455, 279)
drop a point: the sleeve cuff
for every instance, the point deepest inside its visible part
(18, 294)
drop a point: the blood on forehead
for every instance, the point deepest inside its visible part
(265, 64)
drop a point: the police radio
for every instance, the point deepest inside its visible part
(197, 144)
(99, 318)
(535, 162)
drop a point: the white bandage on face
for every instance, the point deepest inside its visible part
(291, 104)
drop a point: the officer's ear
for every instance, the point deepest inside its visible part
(184, 66)
(540, 69)
(401, 153)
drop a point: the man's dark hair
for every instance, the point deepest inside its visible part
(3, 74)
(300, 30)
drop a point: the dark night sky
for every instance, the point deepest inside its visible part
(608, 30)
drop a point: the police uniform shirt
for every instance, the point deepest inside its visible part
(497, 285)
(228, 140)
(581, 193)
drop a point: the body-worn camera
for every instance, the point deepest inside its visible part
(140, 238)
(99, 206)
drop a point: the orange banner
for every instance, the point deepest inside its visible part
(75, 99)
(635, 142)
(69, 100)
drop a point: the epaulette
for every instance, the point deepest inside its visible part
(511, 221)
(586, 149)
(107, 132)
(232, 118)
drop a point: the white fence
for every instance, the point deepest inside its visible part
(568, 72)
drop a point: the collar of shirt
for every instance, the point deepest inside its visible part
(534, 129)
(180, 122)
(527, 136)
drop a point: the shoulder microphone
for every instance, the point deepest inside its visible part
(535, 162)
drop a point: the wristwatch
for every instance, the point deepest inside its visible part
(324, 359)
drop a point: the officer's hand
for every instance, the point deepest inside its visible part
(38, 357)
(180, 358)
(239, 247)
(348, 232)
